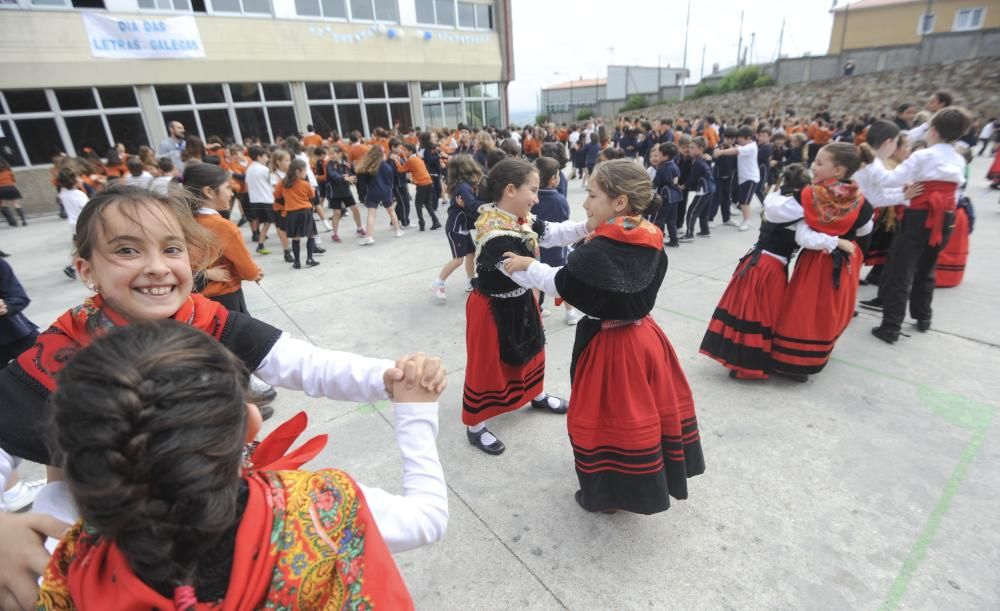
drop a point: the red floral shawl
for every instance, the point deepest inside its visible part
(831, 207)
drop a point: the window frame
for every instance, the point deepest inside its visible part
(475, 16)
(350, 18)
(969, 11)
(56, 113)
(169, 11)
(361, 101)
(921, 22)
(210, 10)
(231, 107)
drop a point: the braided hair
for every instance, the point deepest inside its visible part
(149, 421)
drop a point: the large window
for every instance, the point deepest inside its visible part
(353, 10)
(473, 104)
(244, 7)
(349, 106)
(181, 6)
(968, 19)
(452, 13)
(96, 4)
(39, 123)
(233, 112)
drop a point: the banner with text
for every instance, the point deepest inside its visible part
(151, 38)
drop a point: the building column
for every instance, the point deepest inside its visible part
(416, 106)
(301, 104)
(151, 114)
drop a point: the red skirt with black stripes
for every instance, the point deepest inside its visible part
(814, 312)
(951, 260)
(493, 387)
(740, 333)
(631, 420)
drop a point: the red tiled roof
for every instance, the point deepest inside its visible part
(866, 4)
(577, 84)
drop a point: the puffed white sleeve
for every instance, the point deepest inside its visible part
(54, 499)
(343, 376)
(865, 229)
(781, 208)
(878, 195)
(420, 515)
(565, 233)
(806, 237)
(538, 276)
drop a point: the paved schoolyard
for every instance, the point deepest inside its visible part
(871, 486)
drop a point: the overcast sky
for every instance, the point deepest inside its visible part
(574, 37)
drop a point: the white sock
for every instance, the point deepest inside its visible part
(475, 428)
(541, 396)
(438, 282)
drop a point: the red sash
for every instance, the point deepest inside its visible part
(937, 199)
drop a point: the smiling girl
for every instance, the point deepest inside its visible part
(136, 252)
(631, 422)
(504, 338)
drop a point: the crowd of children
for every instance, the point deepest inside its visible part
(133, 347)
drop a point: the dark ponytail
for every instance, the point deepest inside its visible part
(881, 131)
(506, 172)
(150, 422)
(198, 175)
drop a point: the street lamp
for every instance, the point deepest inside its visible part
(570, 86)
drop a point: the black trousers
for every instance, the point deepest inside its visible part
(698, 211)
(909, 270)
(401, 194)
(723, 198)
(425, 199)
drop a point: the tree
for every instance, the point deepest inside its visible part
(541, 118)
(584, 113)
(702, 90)
(634, 102)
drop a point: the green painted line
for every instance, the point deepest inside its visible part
(918, 552)
(371, 408)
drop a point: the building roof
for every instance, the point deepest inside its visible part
(866, 4)
(580, 83)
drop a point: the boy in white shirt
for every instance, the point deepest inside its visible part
(261, 196)
(747, 171)
(73, 199)
(138, 176)
(926, 226)
(161, 184)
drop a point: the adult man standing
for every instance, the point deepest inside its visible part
(937, 101)
(173, 144)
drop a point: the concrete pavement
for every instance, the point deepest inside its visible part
(871, 486)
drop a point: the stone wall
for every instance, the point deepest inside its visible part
(975, 84)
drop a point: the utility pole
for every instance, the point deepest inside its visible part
(702, 62)
(739, 46)
(843, 30)
(684, 65)
(781, 38)
(753, 40)
(659, 80)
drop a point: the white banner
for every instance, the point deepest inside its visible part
(151, 38)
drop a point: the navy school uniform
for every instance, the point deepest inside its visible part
(764, 153)
(593, 151)
(460, 220)
(665, 182)
(725, 181)
(702, 181)
(553, 207)
(401, 193)
(630, 145)
(379, 191)
(432, 160)
(684, 165)
(338, 190)
(563, 185)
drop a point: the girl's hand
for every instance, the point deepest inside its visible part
(415, 373)
(3, 308)
(352, 179)
(459, 201)
(23, 556)
(846, 246)
(218, 274)
(913, 190)
(516, 263)
(260, 275)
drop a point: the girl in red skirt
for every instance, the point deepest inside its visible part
(741, 331)
(819, 302)
(632, 422)
(504, 338)
(951, 261)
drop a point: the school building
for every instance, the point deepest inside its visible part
(875, 23)
(89, 73)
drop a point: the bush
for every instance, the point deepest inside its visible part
(634, 102)
(702, 90)
(541, 118)
(741, 79)
(763, 81)
(584, 113)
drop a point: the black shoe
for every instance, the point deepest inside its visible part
(311, 262)
(318, 250)
(296, 265)
(923, 326)
(686, 238)
(579, 501)
(70, 272)
(733, 375)
(795, 377)
(863, 282)
(704, 234)
(243, 221)
(422, 228)
(254, 236)
(562, 408)
(266, 411)
(435, 226)
(673, 244)
(3, 254)
(289, 258)
(886, 335)
(494, 449)
(872, 304)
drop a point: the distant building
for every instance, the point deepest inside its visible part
(876, 23)
(625, 81)
(581, 93)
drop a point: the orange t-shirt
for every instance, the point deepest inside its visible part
(417, 170)
(298, 197)
(235, 256)
(532, 146)
(234, 165)
(7, 178)
(711, 136)
(312, 140)
(821, 135)
(357, 151)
